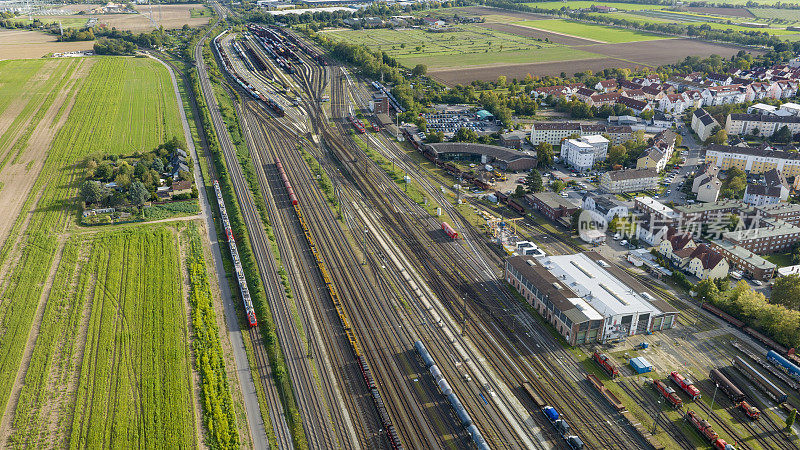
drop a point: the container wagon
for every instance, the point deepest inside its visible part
(606, 363)
(686, 384)
(783, 364)
(760, 380)
(731, 390)
(668, 393)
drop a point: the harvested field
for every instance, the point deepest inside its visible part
(536, 34)
(490, 73)
(600, 33)
(733, 12)
(665, 51)
(23, 44)
(579, 4)
(168, 16)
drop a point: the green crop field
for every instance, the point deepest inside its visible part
(791, 15)
(102, 314)
(590, 31)
(586, 4)
(470, 45)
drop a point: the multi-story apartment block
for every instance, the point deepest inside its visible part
(703, 124)
(555, 132)
(748, 262)
(584, 152)
(630, 180)
(753, 159)
(760, 124)
(776, 236)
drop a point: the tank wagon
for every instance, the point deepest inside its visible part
(250, 313)
(444, 387)
(686, 384)
(606, 363)
(707, 431)
(731, 390)
(760, 380)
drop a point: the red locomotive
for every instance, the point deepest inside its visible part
(705, 429)
(751, 411)
(668, 393)
(686, 384)
(357, 124)
(449, 230)
(606, 363)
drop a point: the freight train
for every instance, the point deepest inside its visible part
(366, 373)
(760, 380)
(767, 365)
(237, 263)
(784, 364)
(668, 393)
(731, 390)
(228, 68)
(686, 384)
(392, 101)
(606, 363)
(767, 342)
(300, 45)
(707, 431)
(562, 427)
(452, 398)
(275, 46)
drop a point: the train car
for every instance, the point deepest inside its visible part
(477, 438)
(453, 234)
(783, 364)
(427, 360)
(751, 411)
(723, 315)
(461, 412)
(512, 203)
(702, 426)
(533, 395)
(606, 363)
(357, 124)
(760, 380)
(574, 442)
(668, 393)
(731, 390)
(769, 343)
(375, 127)
(686, 384)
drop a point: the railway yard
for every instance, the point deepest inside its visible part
(397, 327)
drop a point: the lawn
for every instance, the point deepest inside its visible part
(587, 4)
(110, 363)
(468, 46)
(600, 33)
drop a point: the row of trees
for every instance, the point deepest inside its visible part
(114, 47)
(778, 319)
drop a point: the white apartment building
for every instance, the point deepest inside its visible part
(760, 124)
(584, 152)
(703, 124)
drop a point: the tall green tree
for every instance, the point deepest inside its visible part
(544, 154)
(617, 154)
(782, 136)
(92, 192)
(534, 181)
(786, 291)
(790, 419)
(137, 193)
(557, 186)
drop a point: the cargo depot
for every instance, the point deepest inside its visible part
(587, 299)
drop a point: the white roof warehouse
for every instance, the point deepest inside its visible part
(586, 301)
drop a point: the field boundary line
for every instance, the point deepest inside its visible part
(450, 69)
(33, 334)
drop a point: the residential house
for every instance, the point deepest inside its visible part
(719, 79)
(636, 94)
(706, 264)
(514, 139)
(604, 208)
(653, 93)
(675, 242)
(636, 106)
(761, 124)
(606, 85)
(555, 91)
(433, 22)
(703, 124)
(653, 157)
(583, 94)
(774, 189)
(721, 95)
(599, 100)
(583, 153)
(674, 103)
(744, 260)
(629, 180)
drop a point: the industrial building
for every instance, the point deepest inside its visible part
(500, 157)
(586, 298)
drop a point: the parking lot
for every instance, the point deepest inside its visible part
(450, 122)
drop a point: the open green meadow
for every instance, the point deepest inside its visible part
(101, 312)
(600, 33)
(580, 4)
(790, 15)
(470, 45)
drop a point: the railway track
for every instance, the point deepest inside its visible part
(258, 242)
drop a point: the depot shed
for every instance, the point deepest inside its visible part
(641, 365)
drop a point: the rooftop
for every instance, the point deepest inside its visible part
(495, 151)
(778, 228)
(553, 200)
(631, 174)
(656, 206)
(744, 254)
(707, 207)
(594, 139)
(764, 118)
(604, 292)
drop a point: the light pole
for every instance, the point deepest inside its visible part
(716, 386)
(658, 414)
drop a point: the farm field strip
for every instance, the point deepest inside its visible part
(15, 79)
(586, 4)
(472, 45)
(600, 33)
(134, 380)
